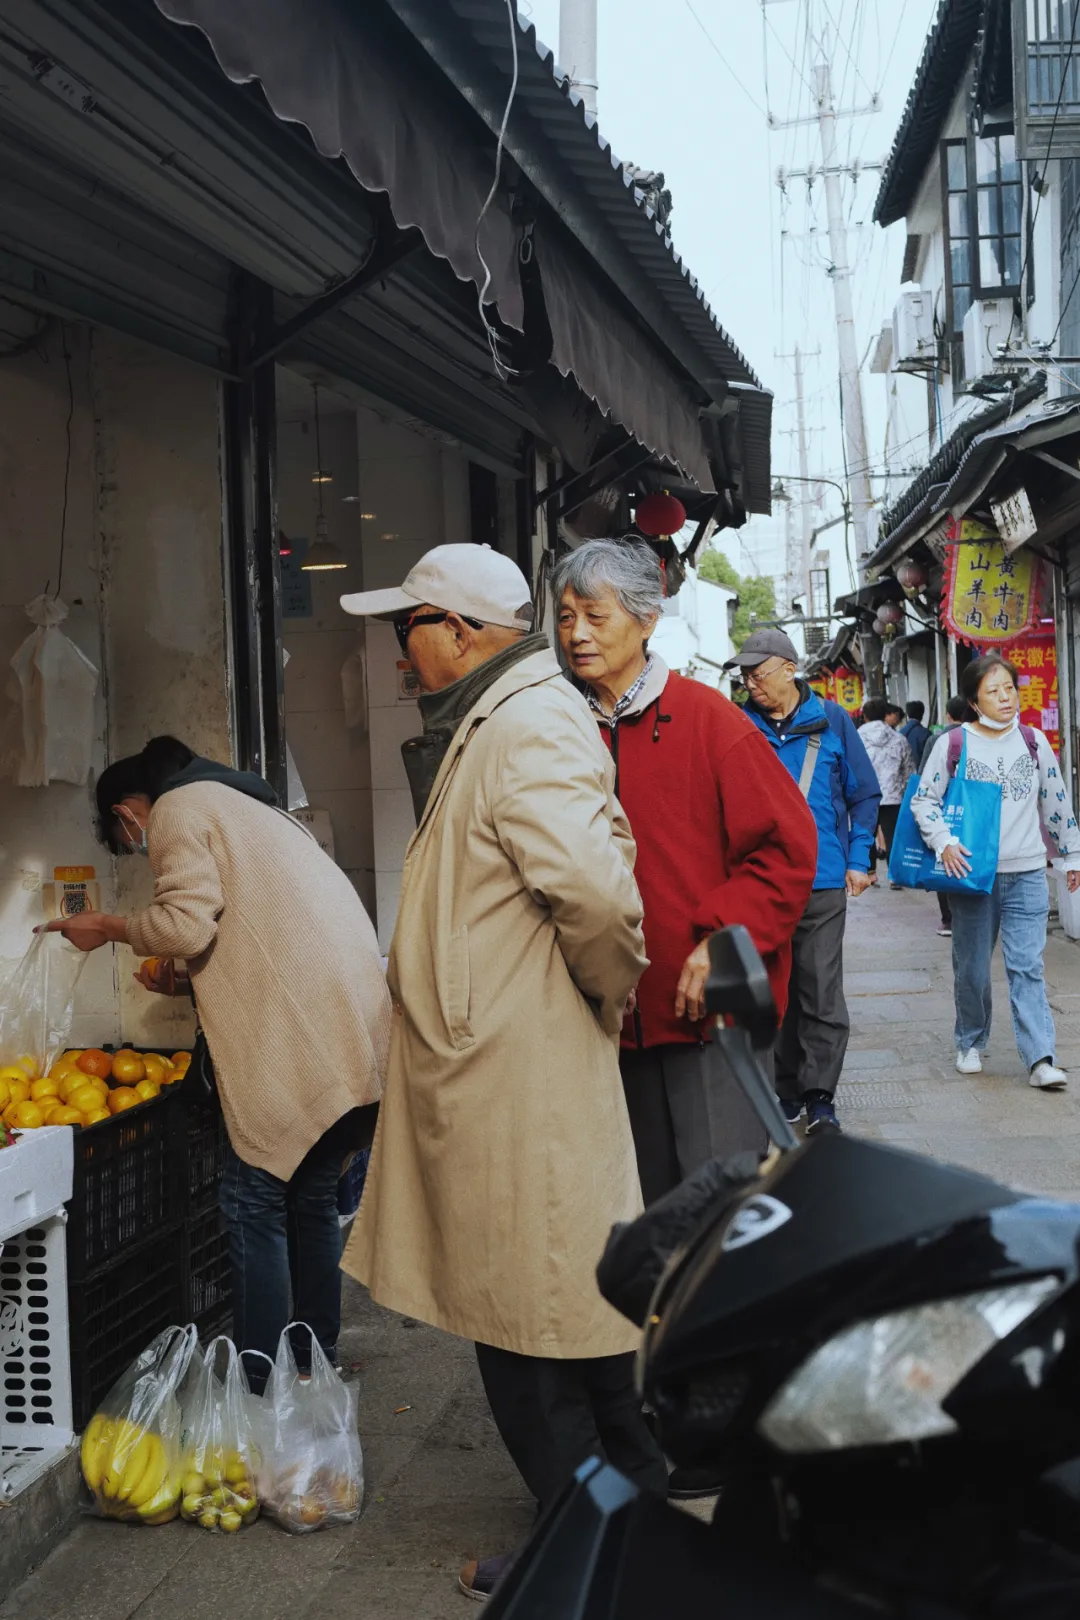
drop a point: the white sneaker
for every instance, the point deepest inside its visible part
(970, 1062)
(1046, 1076)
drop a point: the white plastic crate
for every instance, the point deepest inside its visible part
(35, 1177)
(35, 1368)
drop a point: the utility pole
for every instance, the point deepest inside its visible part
(577, 48)
(804, 484)
(831, 173)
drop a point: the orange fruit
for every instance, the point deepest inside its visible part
(64, 1066)
(123, 1098)
(12, 1071)
(77, 1081)
(28, 1116)
(158, 1069)
(95, 1116)
(8, 1116)
(181, 1058)
(63, 1116)
(85, 1099)
(5, 1096)
(127, 1067)
(19, 1089)
(95, 1061)
(29, 1066)
(148, 1089)
(49, 1087)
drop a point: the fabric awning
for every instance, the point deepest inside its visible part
(345, 75)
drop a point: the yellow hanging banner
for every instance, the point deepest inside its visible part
(990, 596)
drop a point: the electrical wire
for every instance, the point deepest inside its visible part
(727, 65)
(67, 464)
(502, 370)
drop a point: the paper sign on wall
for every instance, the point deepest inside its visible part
(74, 889)
(408, 685)
(320, 827)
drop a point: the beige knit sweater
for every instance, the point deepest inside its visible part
(284, 963)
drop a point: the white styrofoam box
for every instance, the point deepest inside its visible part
(35, 1177)
(35, 1391)
(394, 822)
(1068, 905)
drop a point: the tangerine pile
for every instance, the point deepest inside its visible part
(83, 1088)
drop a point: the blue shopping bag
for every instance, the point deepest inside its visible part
(972, 811)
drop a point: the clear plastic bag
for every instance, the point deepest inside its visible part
(55, 684)
(131, 1449)
(221, 1453)
(37, 1001)
(313, 1469)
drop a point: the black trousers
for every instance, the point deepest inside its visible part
(555, 1415)
(685, 1108)
(813, 1039)
(887, 818)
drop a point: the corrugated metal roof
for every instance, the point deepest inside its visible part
(939, 76)
(602, 176)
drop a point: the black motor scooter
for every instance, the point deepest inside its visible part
(878, 1356)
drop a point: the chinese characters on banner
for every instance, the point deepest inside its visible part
(1036, 661)
(844, 687)
(990, 595)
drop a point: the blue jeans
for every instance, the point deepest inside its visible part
(284, 1240)
(1016, 908)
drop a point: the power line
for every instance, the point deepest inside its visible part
(755, 104)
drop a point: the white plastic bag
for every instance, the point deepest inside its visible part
(220, 1452)
(37, 1001)
(56, 684)
(131, 1449)
(312, 1472)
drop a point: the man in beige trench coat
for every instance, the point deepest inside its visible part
(503, 1153)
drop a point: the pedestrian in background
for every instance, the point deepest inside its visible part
(281, 958)
(1033, 797)
(504, 1154)
(893, 763)
(820, 749)
(723, 836)
(913, 729)
(956, 712)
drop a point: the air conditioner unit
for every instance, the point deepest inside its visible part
(987, 325)
(914, 344)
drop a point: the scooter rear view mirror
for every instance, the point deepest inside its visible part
(738, 989)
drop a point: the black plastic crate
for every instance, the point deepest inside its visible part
(207, 1274)
(206, 1143)
(115, 1312)
(130, 1181)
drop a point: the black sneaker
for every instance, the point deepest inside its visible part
(692, 1484)
(820, 1113)
(793, 1109)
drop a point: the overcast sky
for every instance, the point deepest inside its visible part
(685, 86)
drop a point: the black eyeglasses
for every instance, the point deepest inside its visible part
(404, 627)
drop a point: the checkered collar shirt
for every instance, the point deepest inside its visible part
(624, 703)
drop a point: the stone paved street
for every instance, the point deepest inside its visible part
(440, 1488)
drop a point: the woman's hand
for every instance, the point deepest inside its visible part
(690, 994)
(953, 859)
(162, 975)
(88, 930)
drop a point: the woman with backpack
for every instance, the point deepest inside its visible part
(994, 747)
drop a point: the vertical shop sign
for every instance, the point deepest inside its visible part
(1037, 678)
(990, 597)
(848, 690)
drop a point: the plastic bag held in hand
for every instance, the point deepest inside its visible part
(131, 1449)
(37, 1001)
(221, 1457)
(313, 1469)
(56, 688)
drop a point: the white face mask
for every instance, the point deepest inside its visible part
(995, 725)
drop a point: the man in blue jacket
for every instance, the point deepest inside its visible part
(820, 746)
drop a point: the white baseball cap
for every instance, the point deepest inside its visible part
(471, 580)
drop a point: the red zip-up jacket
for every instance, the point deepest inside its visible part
(723, 836)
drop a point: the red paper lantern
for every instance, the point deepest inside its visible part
(660, 516)
(890, 612)
(911, 575)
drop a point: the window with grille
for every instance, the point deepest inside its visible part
(1046, 78)
(984, 227)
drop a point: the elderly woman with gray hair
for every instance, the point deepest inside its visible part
(723, 836)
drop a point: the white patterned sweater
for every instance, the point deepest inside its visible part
(1026, 793)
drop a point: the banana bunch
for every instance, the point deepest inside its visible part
(127, 1467)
